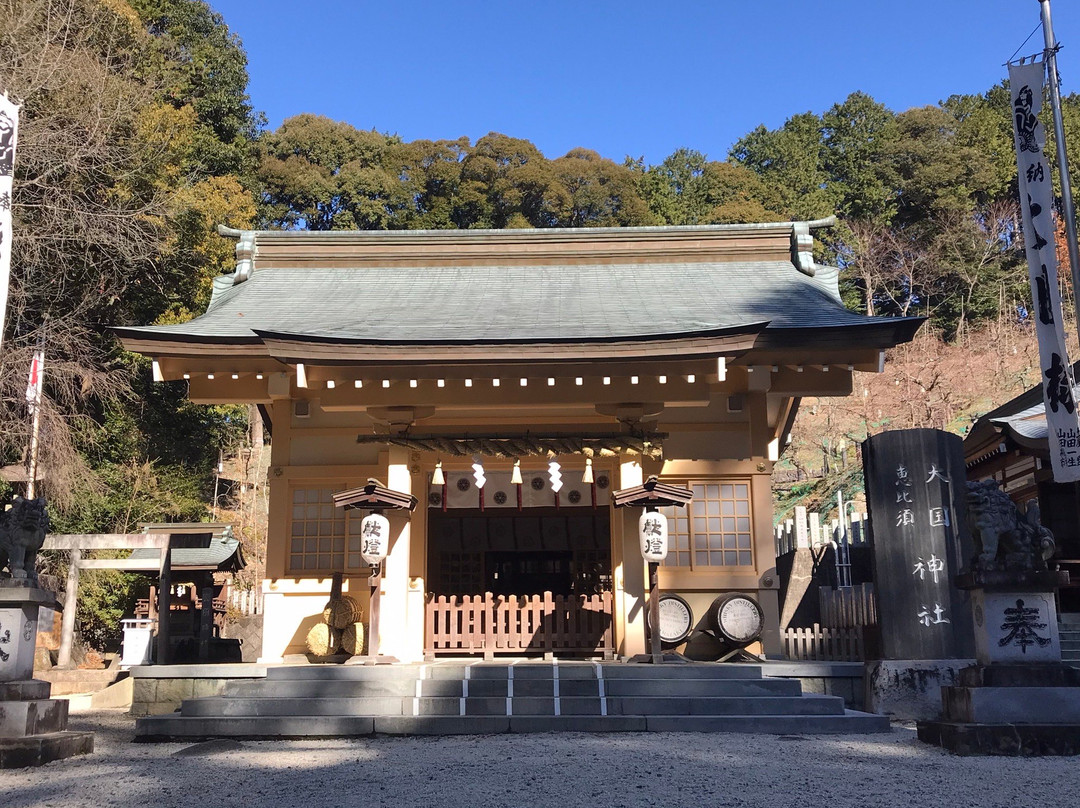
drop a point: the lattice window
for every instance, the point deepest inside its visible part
(714, 530)
(318, 531)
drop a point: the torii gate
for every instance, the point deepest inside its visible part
(76, 543)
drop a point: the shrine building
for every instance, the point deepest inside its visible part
(578, 361)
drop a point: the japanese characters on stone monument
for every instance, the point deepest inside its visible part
(916, 499)
(1036, 203)
(1011, 584)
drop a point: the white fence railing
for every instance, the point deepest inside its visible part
(806, 530)
(245, 601)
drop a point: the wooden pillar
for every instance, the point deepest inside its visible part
(393, 616)
(654, 612)
(67, 622)
(374, 602)
(206, 624)
(630, 575)
(164, 653)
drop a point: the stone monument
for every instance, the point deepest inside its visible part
(915, 496)
(1018, 699)
(33, 727)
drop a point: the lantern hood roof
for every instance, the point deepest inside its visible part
(590, 285)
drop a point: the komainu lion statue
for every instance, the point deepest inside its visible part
(23, 526)
(1004, 539)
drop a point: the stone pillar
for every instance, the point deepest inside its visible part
(33, 727)
(394, 639)
(67, 622)
(630, 575)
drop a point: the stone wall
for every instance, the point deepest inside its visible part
(159, 689)
(844, 679)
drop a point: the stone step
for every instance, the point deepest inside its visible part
(219, 707)
(753, 705)
(340, 673)
(489, 706)
(701, 687)
(300, 689)
(167, 727)
(76, 680)
(403, 687)
(683, 672)
(501, 671)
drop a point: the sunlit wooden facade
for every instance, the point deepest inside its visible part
(681, 352)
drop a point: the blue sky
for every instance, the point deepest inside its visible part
(628, 78)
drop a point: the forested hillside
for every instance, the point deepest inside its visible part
(137, 137)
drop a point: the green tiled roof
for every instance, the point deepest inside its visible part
(215, 548)
(515, 303)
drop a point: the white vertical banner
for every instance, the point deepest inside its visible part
(9, 129)
(1036, 202)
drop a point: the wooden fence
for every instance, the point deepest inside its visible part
(518, 624)
(848, 606)
(823, 644)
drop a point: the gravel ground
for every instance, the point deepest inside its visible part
(648, 769)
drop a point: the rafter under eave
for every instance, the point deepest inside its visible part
(528, 444)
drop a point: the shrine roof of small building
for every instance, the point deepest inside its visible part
(507, 287)
(1022, 420)
(198, 546)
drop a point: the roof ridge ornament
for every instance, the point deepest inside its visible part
(802, 244)
(802, 248)
(245, 251)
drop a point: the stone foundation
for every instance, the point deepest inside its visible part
(159, 689)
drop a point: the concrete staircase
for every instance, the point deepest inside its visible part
(66, 682)
(450, 698)
(1069, 629)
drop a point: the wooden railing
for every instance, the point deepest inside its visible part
(848, 606)
(184, 610)
(518, 624)
(823, 644)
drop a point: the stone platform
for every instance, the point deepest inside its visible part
(479, 698)
(1009, 709)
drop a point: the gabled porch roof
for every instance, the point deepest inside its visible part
(501, 295)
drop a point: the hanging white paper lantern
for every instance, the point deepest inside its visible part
(374, 538)
(653, 534)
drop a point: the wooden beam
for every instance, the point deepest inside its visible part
(104, 541)
(125, 564)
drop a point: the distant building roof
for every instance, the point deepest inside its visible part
(476, 288)
(198, 546)
(1021, 421)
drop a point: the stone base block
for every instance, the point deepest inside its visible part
(1005, 705)
(24, 689)
(910, 689)
(1015, 627)
(1052, 674)
(1016, 740)
(37, 750)
(20, 719)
